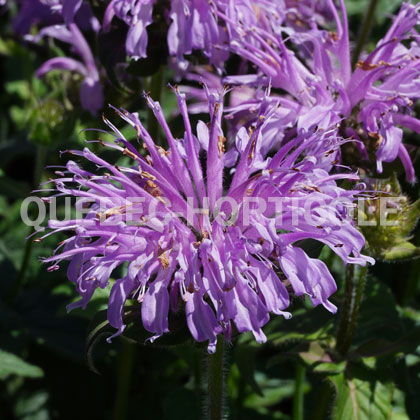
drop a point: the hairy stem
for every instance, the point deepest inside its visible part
(125, 370)
(215, 380)
(364, 31)
(353, 293)
(323, 401)
(198, 378)
(299, 392)
(346, 308)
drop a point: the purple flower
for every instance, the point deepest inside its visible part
(371, 103)
(67, 8)
(221, 244)
(33, 12)
(137, 14)
(192, 26)
(63, 18)
(91, 95)
(301, 14)
(52, 12)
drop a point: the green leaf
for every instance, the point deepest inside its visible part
(18, 87)
(33, 406)
(399, 412)
(274, 390)
(379, 348)
(10, 364)
(177, 324)
(411, 387)
(402, 251)
(100, 328)
(361, 397)
(412, 214)
(319, 360)
(306, 324)
(378, 316)
(97, 303)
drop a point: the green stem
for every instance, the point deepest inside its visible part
(14, 291)
(346, 308)
(41, 156)
(155, 91)
(198, 378)
(125, 371)
(37, 177)
(299, 392)
(411, 284)
(353, 293)
(215, 378)
(365, 30)
(320, 410)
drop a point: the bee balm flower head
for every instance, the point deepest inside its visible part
(219, 243)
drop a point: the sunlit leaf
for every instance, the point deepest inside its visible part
(361, 398)
(10, 364)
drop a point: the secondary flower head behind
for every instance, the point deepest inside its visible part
(220, 244)
(91, 92)
(192, 26)
(372, 103)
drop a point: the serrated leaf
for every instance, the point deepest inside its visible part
(412, 214)
(274, 391)
(319, 360)
(402, 251)
(315, 354)
(329, 368)
(10, 364)
(361, 398)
